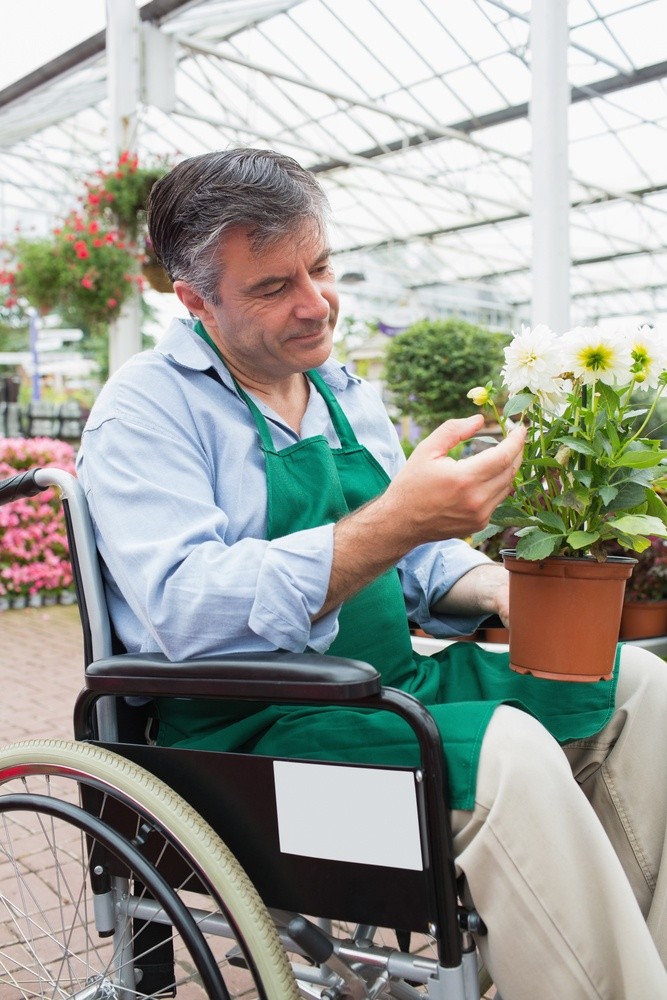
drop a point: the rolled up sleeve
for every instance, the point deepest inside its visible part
(292, 584)
(427, 574)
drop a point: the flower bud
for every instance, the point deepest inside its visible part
(479, 395)
(563, 455)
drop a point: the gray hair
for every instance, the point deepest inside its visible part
(192, 207)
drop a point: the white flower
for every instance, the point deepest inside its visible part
(532, 361)
(648, 351)
(555, 401)
(593, 355)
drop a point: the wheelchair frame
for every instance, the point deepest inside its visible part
(421, 899)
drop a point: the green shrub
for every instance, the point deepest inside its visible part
(430, 367)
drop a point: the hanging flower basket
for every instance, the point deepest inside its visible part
(157, 277)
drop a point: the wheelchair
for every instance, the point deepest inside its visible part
(129, 870)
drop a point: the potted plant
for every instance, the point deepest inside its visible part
(588, 483)
(34, 554)
(84, 270)
(89, 265)
(645, 604)
(120, 196)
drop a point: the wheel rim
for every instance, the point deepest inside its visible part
(58, 769)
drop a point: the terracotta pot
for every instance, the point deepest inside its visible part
(565, 615)
(498, 634)
(643, 619)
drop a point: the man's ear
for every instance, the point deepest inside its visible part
(192, 300)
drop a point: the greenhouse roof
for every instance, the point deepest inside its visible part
(413, 114)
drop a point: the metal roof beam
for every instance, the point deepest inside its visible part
(622, 81)
(577, 262)
(432, 234)
(87, 50)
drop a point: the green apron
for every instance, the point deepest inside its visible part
(310, 484)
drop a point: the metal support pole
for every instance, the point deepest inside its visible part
(551, 200)
(33, 326)
(124, 81)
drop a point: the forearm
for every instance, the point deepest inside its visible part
(366, 544)
(482, 590)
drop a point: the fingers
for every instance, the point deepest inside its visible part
(491, 473)
(505, 457)
(452, 432)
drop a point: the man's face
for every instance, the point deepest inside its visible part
(278, 306)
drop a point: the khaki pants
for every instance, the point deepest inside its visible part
(567, 871)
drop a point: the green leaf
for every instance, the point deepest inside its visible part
(489, 532)
(551, 519)
(640, 524)
(583, 477)
(517, 404)
(582, 539)
(573, 500)
(485, 439)
(608, 493)
(628, 496)
(636, 543)
(609, 397)
(537, 545)
(655, 506)
(642, 459)
(576, 444)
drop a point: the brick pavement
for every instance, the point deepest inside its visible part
(41, 672)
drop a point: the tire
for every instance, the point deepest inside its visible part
(50, 813)
(49, 944)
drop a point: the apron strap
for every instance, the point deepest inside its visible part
(342, 426)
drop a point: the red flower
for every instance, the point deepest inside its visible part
(93, 227)
(81, 249)
(94, 199)
(87, 281)
(112, 303)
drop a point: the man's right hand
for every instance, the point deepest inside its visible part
(437, 497)
(432, 498)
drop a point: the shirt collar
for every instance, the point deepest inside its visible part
(186, 349)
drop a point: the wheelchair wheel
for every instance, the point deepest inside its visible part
(83, 912)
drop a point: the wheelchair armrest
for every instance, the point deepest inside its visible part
(276, 677)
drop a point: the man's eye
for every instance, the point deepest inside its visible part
(274, 292)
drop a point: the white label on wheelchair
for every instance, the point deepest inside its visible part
(360, 814)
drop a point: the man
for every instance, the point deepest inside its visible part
(249, 493)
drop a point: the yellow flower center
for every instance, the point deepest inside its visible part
(596, 359)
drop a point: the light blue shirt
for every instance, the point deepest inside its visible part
(171, 466)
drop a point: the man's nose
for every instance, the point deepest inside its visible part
(312, 302)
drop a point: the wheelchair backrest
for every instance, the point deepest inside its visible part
(97, 632)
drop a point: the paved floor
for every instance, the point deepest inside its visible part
(41, 672)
